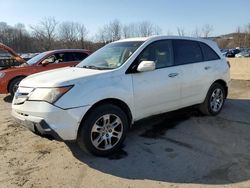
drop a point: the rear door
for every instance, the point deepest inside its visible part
(197, 72)
(159, 90)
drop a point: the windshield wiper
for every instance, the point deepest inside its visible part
(95, 67)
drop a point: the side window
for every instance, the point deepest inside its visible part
(60, 57)
(160, 52)
(51, 59)
(186, 51)
(69, 56)
(75, 56)
(208, 53)
(66, 57)
(79, 56)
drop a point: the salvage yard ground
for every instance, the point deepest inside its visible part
(181, 149)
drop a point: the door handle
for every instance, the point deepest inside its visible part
(171, 75)
(207, 67)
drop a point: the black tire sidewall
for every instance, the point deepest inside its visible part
(84, 136)
(12, 84)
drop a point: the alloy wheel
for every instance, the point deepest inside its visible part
(106, 132)
(216, 100)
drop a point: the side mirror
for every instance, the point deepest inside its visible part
(146, 66)
(45, 62)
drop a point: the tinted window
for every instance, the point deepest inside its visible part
(208, 53)
(69, 56)
(80, 56)
(186, 51)
(66, 57)
(75, 56)
(160, 52)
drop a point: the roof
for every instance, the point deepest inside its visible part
(162, 37)
(159, 37)
(69, 50)
(133, 39)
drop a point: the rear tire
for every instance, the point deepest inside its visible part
(214, 100)
(103, 131)
(14, 85)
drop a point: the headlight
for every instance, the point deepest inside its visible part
(50, 95)
(2, 74)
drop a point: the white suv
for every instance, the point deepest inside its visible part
(96, 102)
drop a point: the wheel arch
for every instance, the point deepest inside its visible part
(121, 104)
(224, 84)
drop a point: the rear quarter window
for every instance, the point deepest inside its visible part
(186, 51)
(208, 53)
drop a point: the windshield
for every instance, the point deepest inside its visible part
(110, 56)
(37, 58)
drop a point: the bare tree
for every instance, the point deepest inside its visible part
(145, 29)
(247, 35)
(82, 34)
(237, 37)
(110, 32)
(126, 31)
(67, 32)
(197, 33)
(130, 30)
(140, 29)
(16, 37)
(181, 31)
(115, 28)
(207, 30)
(45, 32)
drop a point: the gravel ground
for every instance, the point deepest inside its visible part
(180, 149)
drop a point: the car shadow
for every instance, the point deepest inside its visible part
(182, 147)
(8, 99)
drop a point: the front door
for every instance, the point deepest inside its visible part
(157, 91)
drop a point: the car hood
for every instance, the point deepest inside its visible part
(59, 77)
(13, 69)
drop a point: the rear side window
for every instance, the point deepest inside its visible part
(186, 51)
(78, 56)
(75, 56)
(208, 53)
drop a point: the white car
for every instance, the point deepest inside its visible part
(98, 100)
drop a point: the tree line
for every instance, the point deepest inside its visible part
(240, 38)
(50, 34)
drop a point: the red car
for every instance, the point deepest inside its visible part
(11, 77)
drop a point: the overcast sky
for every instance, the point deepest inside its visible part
(224, 15)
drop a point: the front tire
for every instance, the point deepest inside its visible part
(103, 131)
(14, 85)
(214, 100)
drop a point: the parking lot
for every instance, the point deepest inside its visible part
(180, 149)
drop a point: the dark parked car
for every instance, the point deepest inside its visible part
(232, 53)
